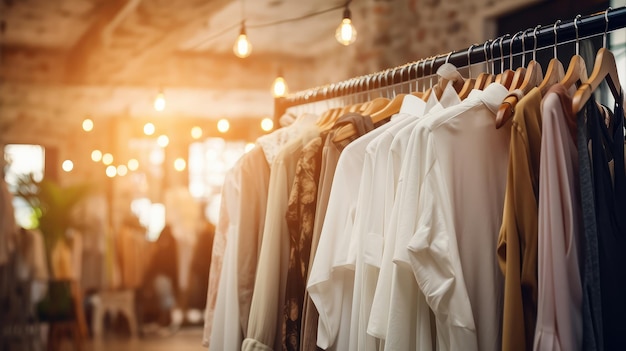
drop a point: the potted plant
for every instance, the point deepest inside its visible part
(52, 206)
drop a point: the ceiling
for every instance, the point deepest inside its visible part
(107, 41)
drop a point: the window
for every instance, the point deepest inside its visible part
(22, 160)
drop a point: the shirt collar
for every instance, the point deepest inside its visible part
(449, 97)
(493, 95)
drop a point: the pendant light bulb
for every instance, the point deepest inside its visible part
(159, 102)
(346, 33)
(242, 47)
(279, 88)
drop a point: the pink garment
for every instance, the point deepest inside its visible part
(559, 313)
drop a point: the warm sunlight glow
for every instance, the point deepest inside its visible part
(107, 159)
(96, 155)
(180, 164)
(148, 128)
(68, 165)
(223, 125)
(267, 124)
(196, 132)
(87, 125)
(159, 102)
(133, 164)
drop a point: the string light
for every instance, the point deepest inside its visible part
(67, 165)
(111, 171)
(133, 164)
(223, 125)
(279, 87)
(122, 170)
(180, 164)
(163, 140)
(196, 132)
(148, 129)
(228, 29)
(346, 33)
(159, 101)
(107, 159)
(87, 125)
(267, 124)
(242, 47)
(96, 155)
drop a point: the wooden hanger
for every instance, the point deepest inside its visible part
(577, 69)
(520, 72)
(604, 68)
(533, 77)
(555, 71)
(484, 78)
(506, 76)
(469, 82)
(428, 91)
(395, 104)
(417, 92)
(378, 104)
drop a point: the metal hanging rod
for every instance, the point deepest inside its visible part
(539, 38)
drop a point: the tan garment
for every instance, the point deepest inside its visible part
(264, 324)
(517, 243)
(130, 250)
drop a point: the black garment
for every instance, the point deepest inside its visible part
(590, 261)
(607, 157)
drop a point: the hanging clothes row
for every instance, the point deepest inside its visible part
(470, 214)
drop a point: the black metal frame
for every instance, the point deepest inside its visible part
(539, 38)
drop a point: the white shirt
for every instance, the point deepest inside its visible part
(331, 279)
(367, 237)
(380, 311)
(559, 295)
(462, 174)
(214, 334)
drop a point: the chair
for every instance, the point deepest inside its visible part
(122, 301)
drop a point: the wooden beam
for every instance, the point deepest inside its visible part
(80, 57)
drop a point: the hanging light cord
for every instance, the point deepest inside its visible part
(269, 24)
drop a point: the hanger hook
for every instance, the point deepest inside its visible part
(448, 56)
(432, 64)
(606, 25)
(555, 36)
(485, 52)
(535, 42)
(576, 28)
(524, 48)
(493, 61)
(511, 49)
(393, 81)
(502, 52)
(469, 61)
(425, 61)
(417, 66)
(353, 90)
(401, 86)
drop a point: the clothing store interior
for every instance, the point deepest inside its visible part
(312, 175)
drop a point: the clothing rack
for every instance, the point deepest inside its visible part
(501, 48)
